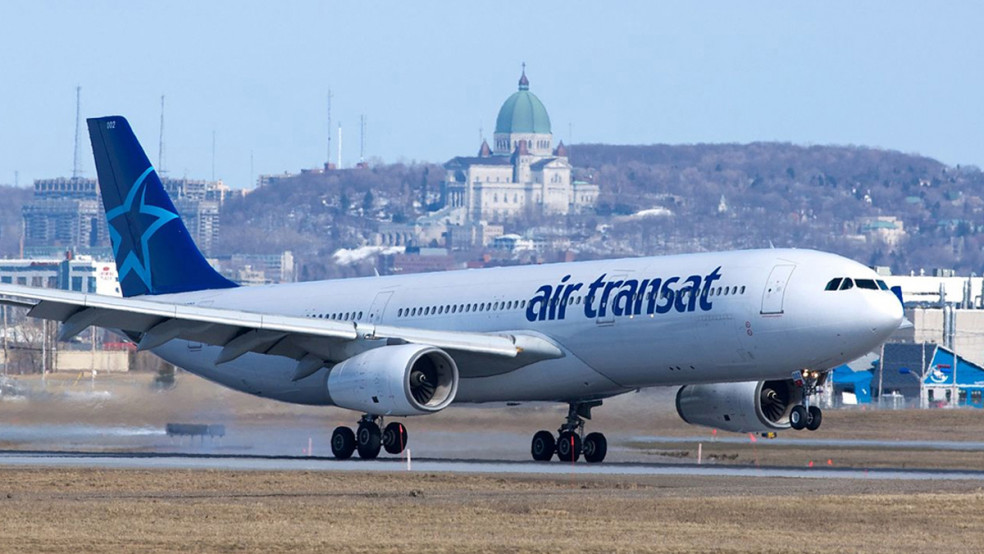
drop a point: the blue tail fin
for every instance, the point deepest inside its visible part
(153, 249)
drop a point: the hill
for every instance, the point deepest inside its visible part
(877, 206)
(802, 196)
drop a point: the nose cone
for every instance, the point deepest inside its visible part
(884, 315)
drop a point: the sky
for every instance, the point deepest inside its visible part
(429, 77)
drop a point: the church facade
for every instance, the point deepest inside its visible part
(522, 174)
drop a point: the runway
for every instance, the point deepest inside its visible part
(275, 447)
(964, 446)
(434, 465)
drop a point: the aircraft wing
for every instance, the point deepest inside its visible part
(313, 342)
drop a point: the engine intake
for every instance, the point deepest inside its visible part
(408, 379)
(747, 407)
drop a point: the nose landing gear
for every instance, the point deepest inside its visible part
(571, 443)
(805, 415)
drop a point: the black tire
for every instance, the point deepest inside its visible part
(368, 441)
(342, 443)
(595, 447)
(816, 417)
(568, 447)
(544, 446)
(798, 417)
(395, 437)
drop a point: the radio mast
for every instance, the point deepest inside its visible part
(362, 139)
(160, 143)
(328, 157)
(76, 171)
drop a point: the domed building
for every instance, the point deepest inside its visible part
(522, 174)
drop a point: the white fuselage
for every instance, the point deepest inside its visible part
(622, 324)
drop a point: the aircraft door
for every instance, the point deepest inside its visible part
(775, 289)
(379, 306)
(606, 316)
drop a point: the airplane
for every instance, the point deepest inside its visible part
(748, 336)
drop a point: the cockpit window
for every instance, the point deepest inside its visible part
(848, 283)
(833, 284)
(866, 284)
(882, 285)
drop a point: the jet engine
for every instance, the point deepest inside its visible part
(403, 380)
(748, 407)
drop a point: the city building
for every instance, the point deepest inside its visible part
(419, 260)
(67, 214)
(522, 174)
(887, 230)
(260, 269)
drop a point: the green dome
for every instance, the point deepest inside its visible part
(523, 112)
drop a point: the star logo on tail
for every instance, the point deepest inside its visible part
(131, 249)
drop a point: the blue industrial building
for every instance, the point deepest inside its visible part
(923, 375)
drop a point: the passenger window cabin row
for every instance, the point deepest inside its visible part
(521, 304)
(506, 305)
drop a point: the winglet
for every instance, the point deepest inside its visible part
(153, 249)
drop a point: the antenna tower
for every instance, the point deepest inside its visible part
(213, 155)
(339, 166)
(160, 143)
(76, 171)
(362, 138)
(328, 157)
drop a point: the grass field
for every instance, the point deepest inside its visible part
(68, 510)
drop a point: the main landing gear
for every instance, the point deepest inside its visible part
(805, 415)
(571, 441)
(368, 439)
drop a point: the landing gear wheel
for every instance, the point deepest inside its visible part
(368, 440)
(595, 447)
(544, 446)
(395, 437)
(816, 416)
(342, 443)
(568, 447)
(798, 417)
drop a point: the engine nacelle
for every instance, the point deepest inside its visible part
(748, 407)
(408, 379)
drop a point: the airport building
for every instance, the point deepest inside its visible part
(911, 376)
(29, 345)
(522, 174)
(80, 274)
(944, 309)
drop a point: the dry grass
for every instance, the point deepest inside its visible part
(763, 453)
(59, 510)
